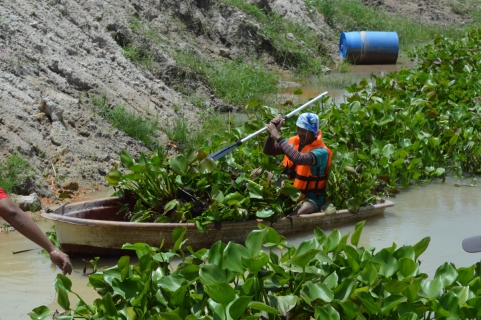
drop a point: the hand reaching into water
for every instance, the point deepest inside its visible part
(61, 260)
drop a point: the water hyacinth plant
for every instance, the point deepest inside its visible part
(407, 127)
(325, 277)
(193, 188)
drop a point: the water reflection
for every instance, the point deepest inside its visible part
(442, 211)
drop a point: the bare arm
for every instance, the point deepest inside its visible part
(18, 219)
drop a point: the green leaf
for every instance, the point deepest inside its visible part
(211, 273)
(171, 282)
(462, 293)
(394, 286)
(272, 238)
(312, 292)
(350, 309)
(126, 159)
(178, 237)
(216, 254)
(286, 303)
(385, 120)
(108, 305)
(238, 306)
(391, 302)
(405, 252)
(233, 254)
(256, 263)
(113, 177)
(389, 264)
(220, 292)
(388, 150)
(450, 302)
(369, 274)
(411, 292)
(453, 140)
(263, 307)
(63, 282)
(466, 274)
(303, 259)
(255, 190)
(343, 291)
(421, 246)
(62, 298)
(217, 195)
(39, 313)
(407, 267)
(357, 233)
(191, 272)
(440, 172)
(431, 289)
(333, 240)
(368, 302)
(171, 205)
(326, 312)
(129, 288)
(331, 280)
(233, 198)
(141, 249)
(207, 166)
(446, 273)
(179, 164)
(264, 213)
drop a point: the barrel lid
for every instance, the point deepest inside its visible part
(472, 244)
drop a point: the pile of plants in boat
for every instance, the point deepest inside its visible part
(325, 277)
(406, 127)
(195, 188)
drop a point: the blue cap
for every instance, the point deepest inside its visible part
(308, 121)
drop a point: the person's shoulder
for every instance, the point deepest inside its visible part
(319, 151)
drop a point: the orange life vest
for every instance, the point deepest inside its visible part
(304, 179)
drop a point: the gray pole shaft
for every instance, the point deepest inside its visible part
(252, 135)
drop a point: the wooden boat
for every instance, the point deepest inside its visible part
(95, 228)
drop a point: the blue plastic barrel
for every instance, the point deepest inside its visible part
(369, 47)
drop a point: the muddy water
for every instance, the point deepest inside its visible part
(311, 87)
(442, 211)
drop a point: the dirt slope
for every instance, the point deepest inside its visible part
(56, 55)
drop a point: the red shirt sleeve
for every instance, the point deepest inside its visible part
(2, 194)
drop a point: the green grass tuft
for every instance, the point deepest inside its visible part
(136, 126)
(13, 171)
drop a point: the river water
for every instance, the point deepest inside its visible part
(442, 211)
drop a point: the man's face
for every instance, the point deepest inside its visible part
(305, 135)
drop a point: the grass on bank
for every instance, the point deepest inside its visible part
(14, 170)
(136, 126)
(191, 136)
(353, 15)
(238, 81)
(305, 54)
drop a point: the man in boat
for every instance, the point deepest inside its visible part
(307, 160)
(18, 219)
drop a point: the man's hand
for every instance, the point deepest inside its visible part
(274, 126)
(61, 260)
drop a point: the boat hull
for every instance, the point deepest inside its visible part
(95, 228)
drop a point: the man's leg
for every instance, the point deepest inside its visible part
(306, 207)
